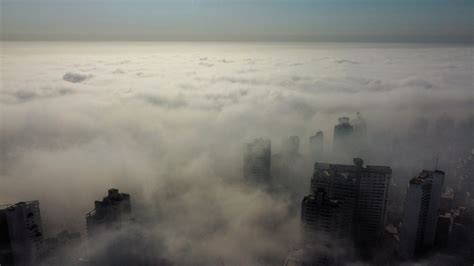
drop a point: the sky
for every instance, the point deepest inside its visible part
(238, 20)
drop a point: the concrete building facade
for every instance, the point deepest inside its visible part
(421, 211)
(363, 191)
(320, 214)
(21, 234)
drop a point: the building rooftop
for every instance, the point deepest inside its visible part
(423, 176)
(6, 206)
(358, 164)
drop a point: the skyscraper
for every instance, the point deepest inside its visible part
(343, 139)
(339, 184)
(286, 169)
(316, 144)
(359, 140)
(106, 241)
(321, 221)
(257, 161)
(21, 234)
(421, 212)
(363, 191)
(114, 209)
(320, 215)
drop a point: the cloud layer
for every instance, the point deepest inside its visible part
(167, 122)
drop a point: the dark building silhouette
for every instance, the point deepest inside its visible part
(107, 242)
(443, 229)
(363, 191)
(321, 222)
(320, 215)
(316, 144)
(21, 234)
(115, 238)
(114, 209)
(257, 161)
(421, 212)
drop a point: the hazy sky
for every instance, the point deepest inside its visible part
(239, 20)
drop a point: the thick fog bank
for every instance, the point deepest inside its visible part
(166, 123)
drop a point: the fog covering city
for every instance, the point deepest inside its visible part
(167, 123)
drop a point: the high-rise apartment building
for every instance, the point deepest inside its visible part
(363, 191)
(21, 234)
(106, 241)
(320, 215)
(257, 161)
(343, 139)
(316, 144)
(321, 222)
(114, 209)
(421, 211)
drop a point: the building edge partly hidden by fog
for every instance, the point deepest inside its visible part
(320, 215)
(104, 224)
(257, 161)
(421, 211)
(21, 234)
(114, 209)
(316, 144)
(363, 191)
(350, 139)
(321, 226)
(343, 139)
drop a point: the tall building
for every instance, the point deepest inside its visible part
(316, 144)
(320, 215)
(340, 183)
(114, 209)
(321, 221)
(359, 141)
(257, 161)
(421, 212)
(291, 145)
(21, 234)
(106, 242)
(363, 191)
(343, 139)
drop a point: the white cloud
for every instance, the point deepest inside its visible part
(172, 136)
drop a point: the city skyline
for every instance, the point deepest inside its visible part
(236, 132)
